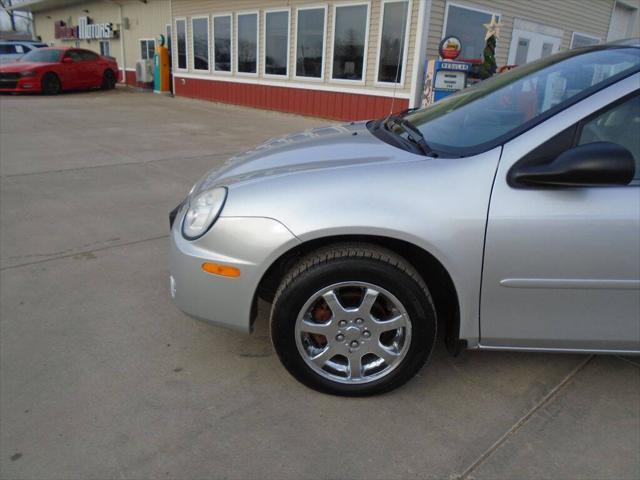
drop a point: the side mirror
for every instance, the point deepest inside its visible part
(590, 165)
(67, 60)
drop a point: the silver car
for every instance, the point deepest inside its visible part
(506, 217)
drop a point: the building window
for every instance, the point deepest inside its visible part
(147, 48)
(181, 41)
(350, 31)
(222, 43)
(393, 36)
(468, 25)
(247, 46)
(200, 43)
(310, 35)
(105, 48)
(276, 43)
(582, 40)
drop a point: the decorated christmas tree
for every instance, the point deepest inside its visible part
(489, 66)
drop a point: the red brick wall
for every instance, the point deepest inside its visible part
(131, 80)
(316, 103)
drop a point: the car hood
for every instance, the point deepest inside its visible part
(318, 148)
(17, 67)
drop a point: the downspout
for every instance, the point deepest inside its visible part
(174, 46)
(422, 36)
(124, 60)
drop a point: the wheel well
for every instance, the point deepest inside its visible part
(438, 280)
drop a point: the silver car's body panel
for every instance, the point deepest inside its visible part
(562, 266)
(344, 181)
(250, 244)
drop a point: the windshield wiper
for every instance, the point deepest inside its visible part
(412, 132)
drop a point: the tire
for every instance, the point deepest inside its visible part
(370, 283)
(51, 84)
(108, 80)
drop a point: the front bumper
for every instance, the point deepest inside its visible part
(247, 243)
(20, 85)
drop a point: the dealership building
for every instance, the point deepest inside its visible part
(340, 59)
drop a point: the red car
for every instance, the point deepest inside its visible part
(52, 70)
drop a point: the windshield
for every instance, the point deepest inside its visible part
(480, 116)
(42, 56)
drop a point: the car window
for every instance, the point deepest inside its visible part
(7, 49)
(74, 55)
(42, 56)
(620, 125)
(21, 49)
(483, 116)
(88, 56)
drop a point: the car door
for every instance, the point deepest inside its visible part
(562, 264)
(91, 68)
(72, 73)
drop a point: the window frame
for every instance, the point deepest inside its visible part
(579, 126)
(237, 39)
(473, 9)
(585, 35)
(346, 81)
(105, 42)
(265, 12)
(147, 40)
(322, 6)
(193, 52)
(405, 49)
(176, 45)
(232, 49)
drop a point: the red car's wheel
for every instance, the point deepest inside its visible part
(108, 80)
(51, 84)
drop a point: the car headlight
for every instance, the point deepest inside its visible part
(203, 210)
(29, 73)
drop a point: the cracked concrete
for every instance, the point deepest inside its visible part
(101, 377)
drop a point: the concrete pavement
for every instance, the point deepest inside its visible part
(101, 377)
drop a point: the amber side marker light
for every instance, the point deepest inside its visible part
(222, 270)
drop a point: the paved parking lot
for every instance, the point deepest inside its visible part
(101, 377)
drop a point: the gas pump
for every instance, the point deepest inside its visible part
(445, 76)
(161, 68)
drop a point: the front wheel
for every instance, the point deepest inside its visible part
(108, 80)
(353, 320)
(51, 84)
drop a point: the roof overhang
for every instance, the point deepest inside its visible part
(35, 6)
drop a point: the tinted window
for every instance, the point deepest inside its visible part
(222, 43)
(504, 103)
(276, 43)
(468, 26)
(74, 55)
(620, 125)
(7, 49)
(88, 56)
(42, 56)
(181, 37)
(310, 43)
(200, 39)
(248, 43)
(394, 21)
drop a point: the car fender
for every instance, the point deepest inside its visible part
(439, 205)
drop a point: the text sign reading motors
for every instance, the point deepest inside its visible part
(85, 30)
